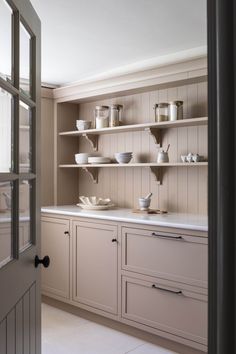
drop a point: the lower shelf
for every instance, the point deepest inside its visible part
(156, 168)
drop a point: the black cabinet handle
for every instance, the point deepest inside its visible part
(66, 232)
(167, 236)
(178, 292)
(114, 240)
(45, 261)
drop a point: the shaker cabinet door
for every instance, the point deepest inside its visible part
(95, 265)
(56, 244)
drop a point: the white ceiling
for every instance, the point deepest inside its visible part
(82, 38)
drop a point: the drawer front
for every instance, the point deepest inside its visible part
(172, 309)
(176, 257)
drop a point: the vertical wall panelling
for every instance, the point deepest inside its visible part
(183, 189)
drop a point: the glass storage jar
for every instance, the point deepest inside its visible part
(101, 115)
(175, 110)
(115, 115)
(161, 111)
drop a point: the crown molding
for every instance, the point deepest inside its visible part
(176, 67)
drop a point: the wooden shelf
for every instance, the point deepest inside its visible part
(139, 127)
(154, 128)
(156, 168)
(137, 164)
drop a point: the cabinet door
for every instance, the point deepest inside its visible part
(95, 265)
(56, 243)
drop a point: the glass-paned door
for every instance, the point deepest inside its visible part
(20, 37)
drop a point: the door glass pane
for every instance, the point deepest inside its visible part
(5, 40)
(25, 60)
(25, 215)
(5, 223)
(24, 136)
(5, 131)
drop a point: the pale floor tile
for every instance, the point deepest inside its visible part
(150, 349)
(64, 333)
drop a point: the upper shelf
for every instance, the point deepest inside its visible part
(139, 127)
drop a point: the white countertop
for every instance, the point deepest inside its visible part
(177, 220)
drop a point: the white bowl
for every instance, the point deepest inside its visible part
(123, 158)
(83, 124)
(123, 154)
(81, 158)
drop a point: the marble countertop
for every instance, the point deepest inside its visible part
(175, 220)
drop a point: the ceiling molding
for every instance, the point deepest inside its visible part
(46, 92)
(148, 64)
(176, 69)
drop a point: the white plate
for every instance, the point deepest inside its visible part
(99, 160)
(95, 207)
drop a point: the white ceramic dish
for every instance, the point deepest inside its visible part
(123, 157)
(95, 207)
(94, 200)
(81, 158)
(95, 160)
(83, 124)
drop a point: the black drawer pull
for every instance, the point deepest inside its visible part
(167, 236)
(66, 233)
(178, 292)
(114, 240)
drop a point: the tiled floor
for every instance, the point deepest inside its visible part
(64, 333)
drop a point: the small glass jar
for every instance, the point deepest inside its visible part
(175, 110)
(161, 111)
(115, 115)
(101, 115)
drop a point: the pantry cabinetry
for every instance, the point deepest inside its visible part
(149, 277)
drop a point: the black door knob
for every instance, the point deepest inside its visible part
(45, 261)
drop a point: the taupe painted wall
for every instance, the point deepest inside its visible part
(47, 153)
(183, 189)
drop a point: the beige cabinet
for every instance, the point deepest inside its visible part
(95, 248)
(56, 244)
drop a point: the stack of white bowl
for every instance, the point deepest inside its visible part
(83, 124)
(123, 157)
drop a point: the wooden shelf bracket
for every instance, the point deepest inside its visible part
(92, 172)
(93, 140)
(158, 172)
(156, 134)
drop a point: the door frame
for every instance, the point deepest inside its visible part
(221, 185)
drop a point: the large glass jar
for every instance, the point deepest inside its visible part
(115, 115)
(101, 115)
(161, 111)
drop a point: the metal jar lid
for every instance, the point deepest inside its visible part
(161, 105)
(101, 108)
(176, 103)
(116, 106)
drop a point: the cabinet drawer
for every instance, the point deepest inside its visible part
(171, 256)
(174, 309)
